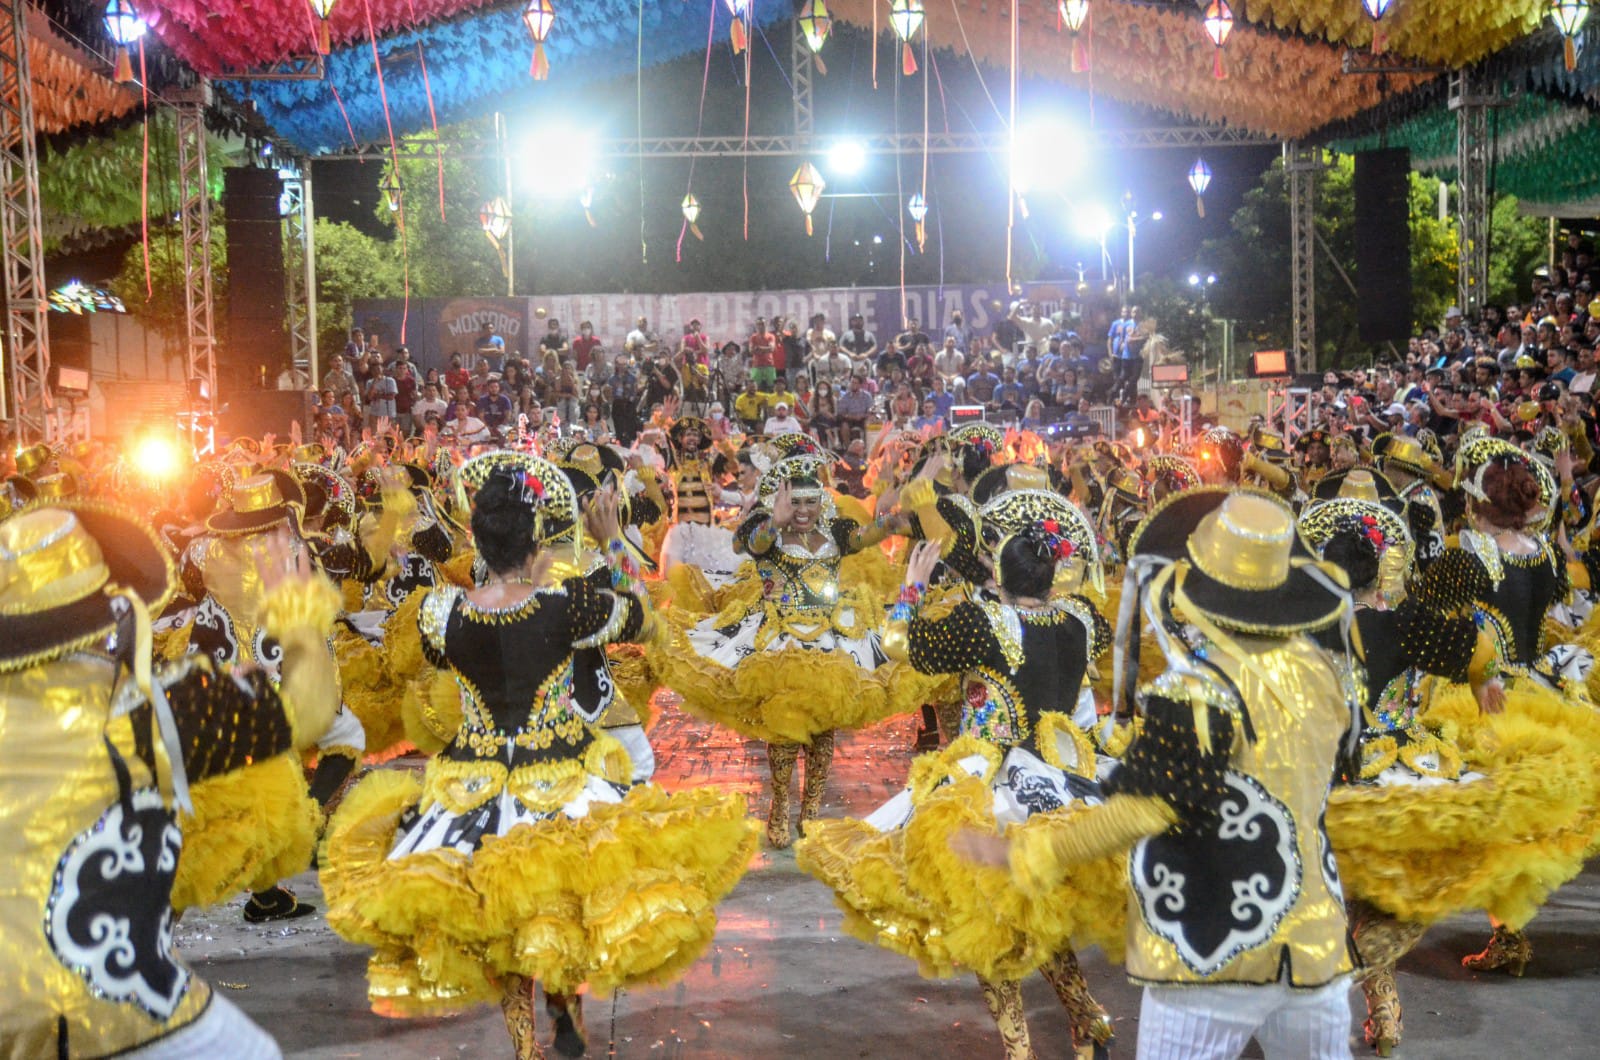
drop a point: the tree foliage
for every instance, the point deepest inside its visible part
(161, 308)
(1254, 268)
(350, 265)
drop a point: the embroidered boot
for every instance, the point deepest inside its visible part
(1384, 1026)
(1091, 1024)
(1004, 999)
(819, 762)
(329, 776)
(1507, 949)
(275, 903)
(516, 1005)
(780, 760)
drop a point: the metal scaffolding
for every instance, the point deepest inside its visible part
(194, 215)
(908, 143)
(1302, 163)
(1471, 96)
(803, 67)
(26, 335)
(300, 272)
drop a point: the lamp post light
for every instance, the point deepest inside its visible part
(1133, 230)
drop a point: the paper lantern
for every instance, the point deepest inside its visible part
(807, 185)
(1375, 10)
(815, 24)
(1074, 14)
(539, 16)
(1200, 180)
(391, 190)
(322, 9)
(906, 18)
(691, 214)
(740, 10)
(496, 219)
(1218, 22)
(126, 28)
(1570, 16)
(917, 207)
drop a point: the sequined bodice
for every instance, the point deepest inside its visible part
(793, 575)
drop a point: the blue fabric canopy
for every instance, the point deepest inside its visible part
(478, 62)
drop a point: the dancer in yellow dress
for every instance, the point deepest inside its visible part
(524, 854)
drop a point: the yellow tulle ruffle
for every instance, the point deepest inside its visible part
(791, 694)
(634, 673)
(623, 896)
(457, 570)
(907, 891)
(250, 829)
(1501, 844)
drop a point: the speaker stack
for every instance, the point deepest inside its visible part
(257, 348)
(1383, 245)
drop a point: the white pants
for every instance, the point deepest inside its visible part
(221, 1030)
(637, 744)
(1216, 1022)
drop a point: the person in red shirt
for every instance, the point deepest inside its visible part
(456, 377)
(583, 346)
(763, 350)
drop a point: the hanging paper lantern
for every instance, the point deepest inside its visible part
(1074, 14)
(1200, 180)
(322, 9)
(815, 24)
(740, 10)
(391, 190)
(126, 28)
(691, 214)
(1218, 22)
(906, 18)
(539, 16)
(496, 219)
(1375, 10)
(917, 207)
(807, 185)
(1569, 17)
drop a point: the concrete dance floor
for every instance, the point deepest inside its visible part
(781, 980)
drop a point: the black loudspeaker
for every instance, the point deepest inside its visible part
(258, 337)
(1383, 244)
(253, 413)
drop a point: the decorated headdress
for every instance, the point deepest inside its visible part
(1219, 447)
(1171, 474)
(796, 444)
(540, 485)
(1268, 444)
(1005, 477)
(257, 503)
(1380, 527)
(1359, 483)
(985, 436)
(327, 493)
(1549, 442)
(1060, 520)
(1405, 454)
(806, 476)
(1474, 458)
(682, 426)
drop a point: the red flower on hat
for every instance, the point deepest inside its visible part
(533, 484)
(1051, 526)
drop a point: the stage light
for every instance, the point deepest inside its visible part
(558, 162)
(157, 458)
(847, 158)
(1157, 216)
(1092, 221)
(1047, 155)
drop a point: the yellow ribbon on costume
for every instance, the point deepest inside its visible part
(156, 695)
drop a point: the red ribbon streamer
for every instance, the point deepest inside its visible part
(394, 160)
(144, 178)
(705, 79)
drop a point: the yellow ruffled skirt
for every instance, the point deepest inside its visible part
(622, 896)
(250, 829)
(904, 889)
(1502, 843)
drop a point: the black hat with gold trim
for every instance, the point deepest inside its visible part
(1359, 483)
(63, 567)
(1004, 477)
(328, 494)
(258, 502)
(1240, 562)
(1405, 454)
(682, 426)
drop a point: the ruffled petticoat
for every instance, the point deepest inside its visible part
(903, 888)
(705, 547)
(1518, 823)
(617, 887)
(786, 675)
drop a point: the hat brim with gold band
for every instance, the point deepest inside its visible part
(1182, 472)
(1319, 522)
(1478, 453)
(555, 503)
(1361, 483)
(1006, 477)
(1403, 453)
(257, 503)
(683, 425)
(1010, 512)
(1247, 569)
(60, 563)
(325, 490)
(802, 473)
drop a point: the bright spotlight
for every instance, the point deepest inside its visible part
(157, 458)
(1194, 279)
(1092, 222)
(847, 158)
(1158, 215)
(558, 162)
(1047, 156)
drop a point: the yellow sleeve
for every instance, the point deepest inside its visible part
(299, 615)
(1042, 854)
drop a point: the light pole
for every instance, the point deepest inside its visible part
(1133, 230)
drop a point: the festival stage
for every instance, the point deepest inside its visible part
(781, 980)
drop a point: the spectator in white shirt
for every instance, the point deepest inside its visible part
(430, 404)
(780, 422)
(950, 362)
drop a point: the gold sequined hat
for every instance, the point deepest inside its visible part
(1383, 526)
(1005, 477)
(256, 503)
(683, 425)
(1240, 561)
(1010, 512)
(327, 493)
(1406, 454)
(31, 459)
(1359, 483)
(63, 568)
